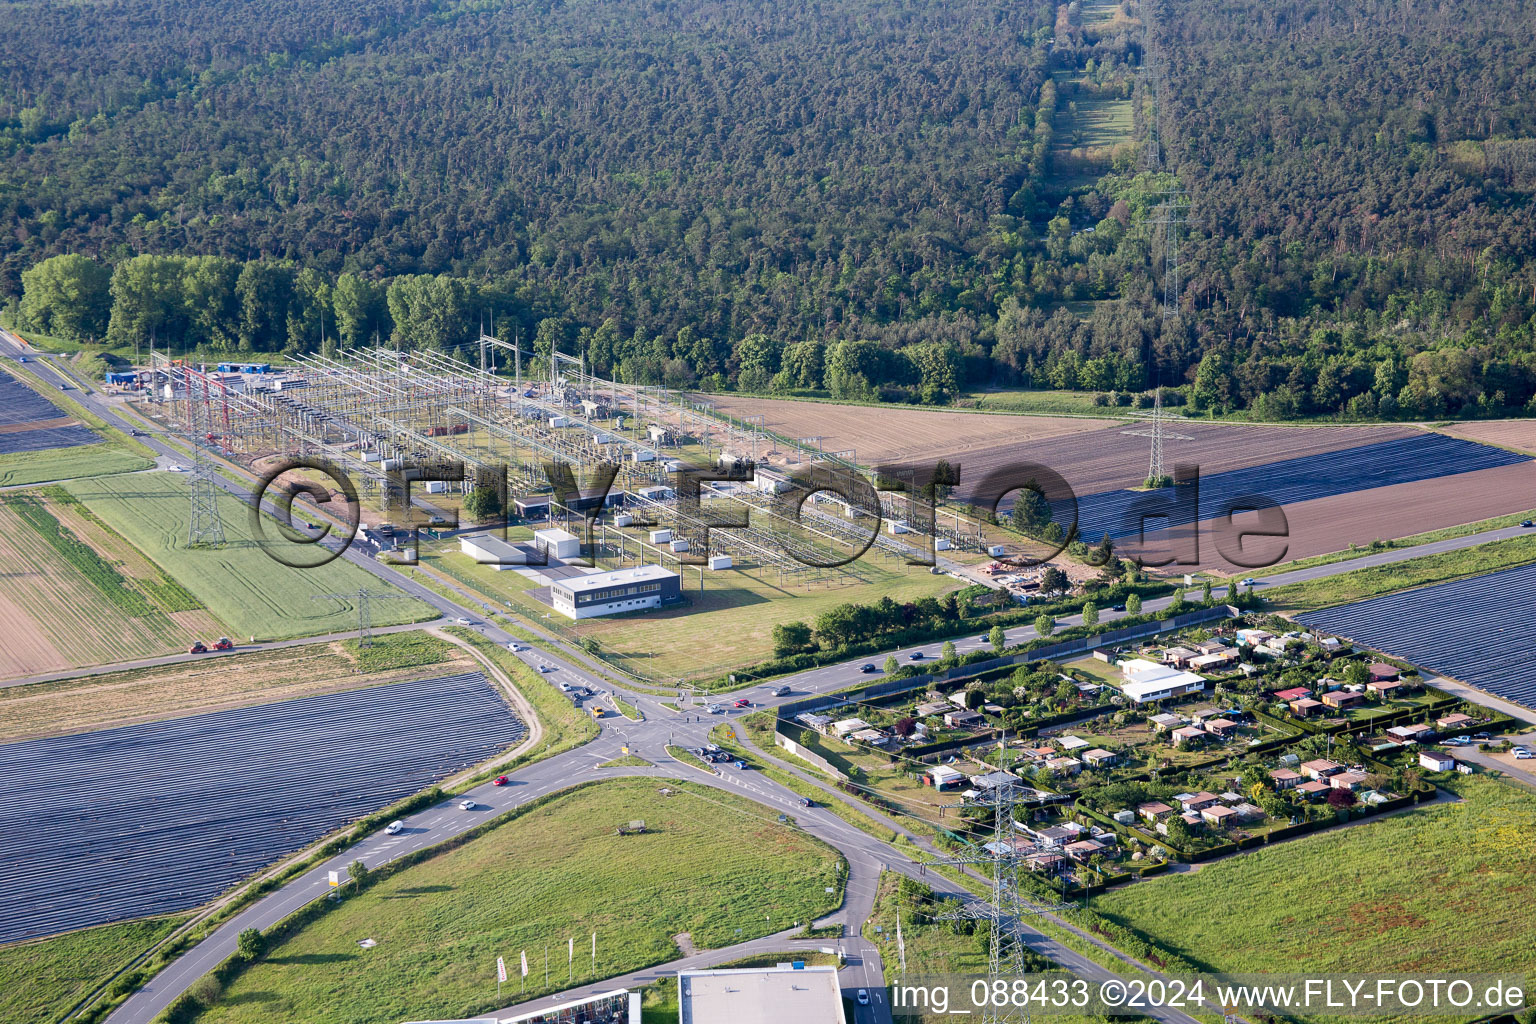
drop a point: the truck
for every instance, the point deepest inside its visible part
(224, 643)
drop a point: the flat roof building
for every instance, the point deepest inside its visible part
(492, 551)
(611, 593)
(1147, 681)
(557, 543)
(762, 995)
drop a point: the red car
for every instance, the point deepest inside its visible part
(198, 648)
(502, 780)
(743, 703)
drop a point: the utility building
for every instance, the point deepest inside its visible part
(612, 593)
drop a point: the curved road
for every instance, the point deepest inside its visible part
(866, 856)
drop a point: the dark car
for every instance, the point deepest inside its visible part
(868, 666)
(1527, 524)
(915, 656)
(806, 803)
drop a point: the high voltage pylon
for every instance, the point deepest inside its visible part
(1170, 214)
(205, 525)
(361, 595)
(1003, 912)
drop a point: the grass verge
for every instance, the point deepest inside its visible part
(1349, 587)
(41, 981)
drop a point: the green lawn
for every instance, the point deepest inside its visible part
(1349, 587)
(18, 468)
(41, 981)
(1439, 888)
(710, 864)
(239, 583)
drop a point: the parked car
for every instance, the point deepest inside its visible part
(1482, 735)
(1522, 753)
(394, 828)
(502, 780)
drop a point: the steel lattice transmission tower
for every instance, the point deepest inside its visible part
(1170, 214)
(362, 595)
(1008, 905)
(205, 525)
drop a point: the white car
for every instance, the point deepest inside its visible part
(716, 709)
(1248, 582)
(175, 468)
(466, 805)
(516, 647)
(862, 996)
(394, 828)
(545, 668)
(461, 620)
(1522, 753)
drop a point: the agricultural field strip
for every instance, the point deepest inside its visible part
(1348, 470)
(1480, 630)
(150, 818)
(19, 404)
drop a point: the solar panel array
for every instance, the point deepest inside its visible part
(20, 404)
(1405, 460)
(1480, 630)
(163, 816)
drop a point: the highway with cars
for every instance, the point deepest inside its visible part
(865, 854)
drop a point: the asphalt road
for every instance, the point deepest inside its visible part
(865, 854)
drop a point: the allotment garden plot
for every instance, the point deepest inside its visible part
(77, 594)
(152, 818)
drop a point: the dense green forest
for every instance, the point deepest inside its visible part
(868, 199)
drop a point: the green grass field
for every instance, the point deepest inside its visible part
(1022, 400)
(1349, 587)
(1439, 888)
(41, 981)
(20, 468)
(239, 583)
(712, 865)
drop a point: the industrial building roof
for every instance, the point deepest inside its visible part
(768, 995)
(618, 577)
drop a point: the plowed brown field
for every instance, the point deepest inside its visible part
(1517, 434)
(1092, 454)
(1331, 524)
